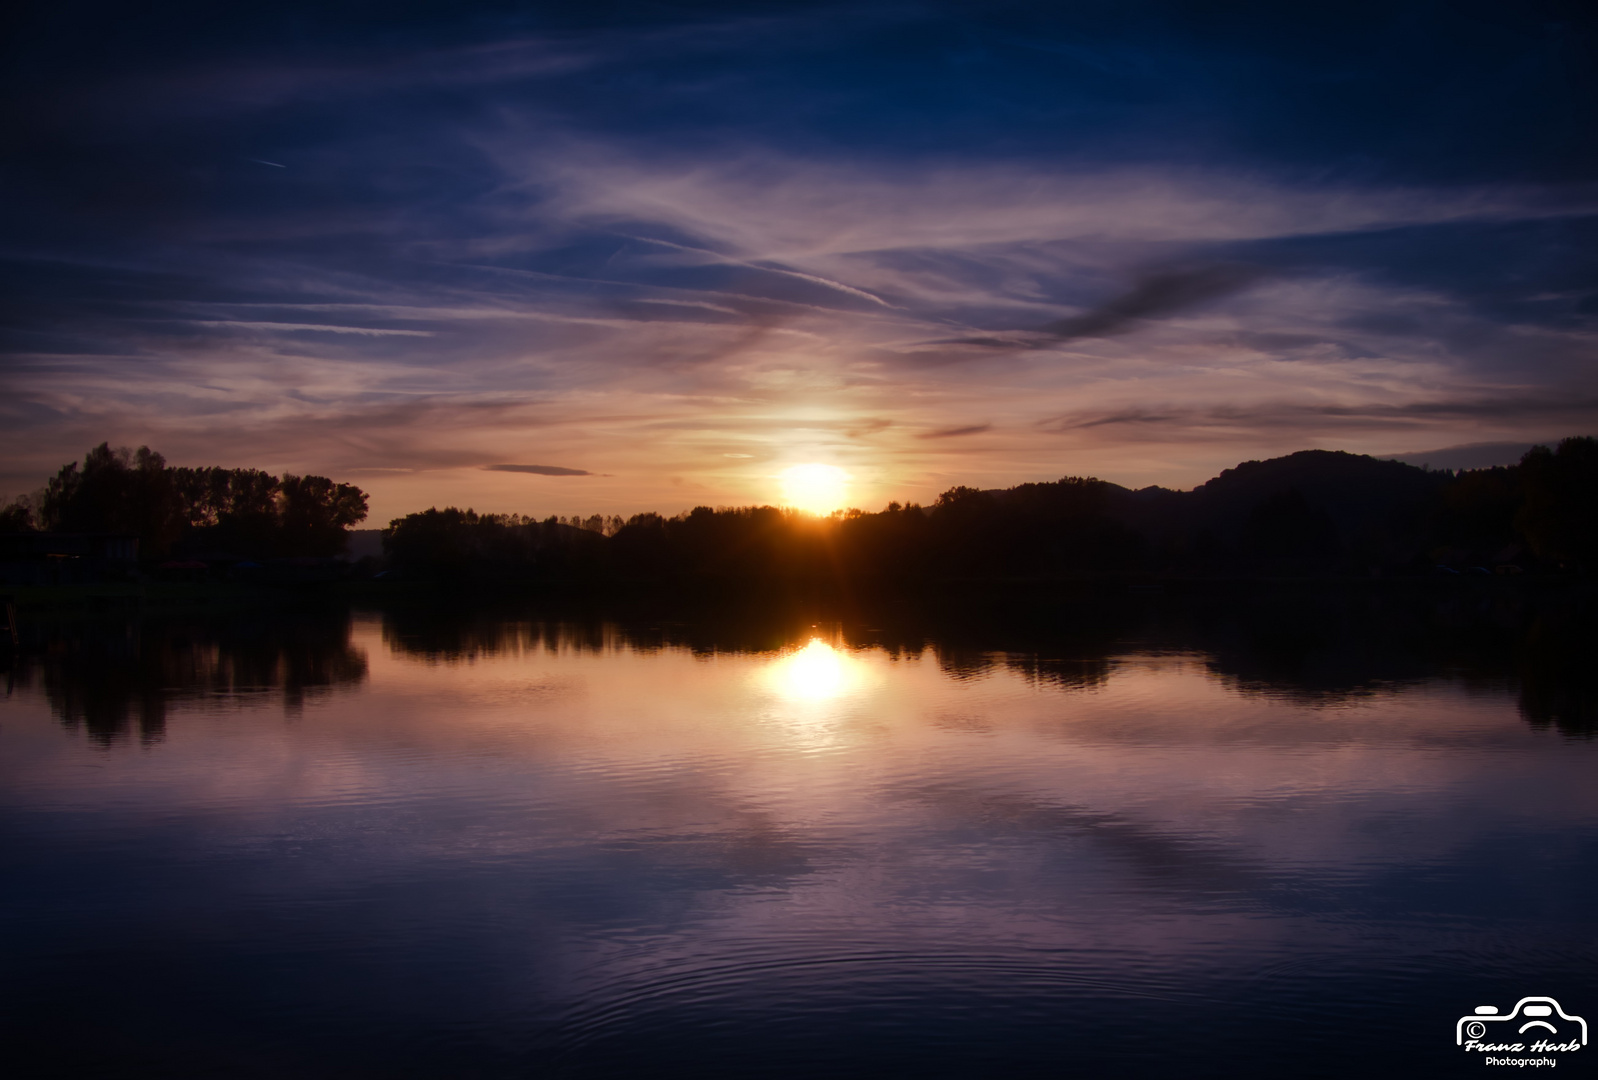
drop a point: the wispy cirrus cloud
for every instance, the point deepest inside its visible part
(538, 470)
(956, 432)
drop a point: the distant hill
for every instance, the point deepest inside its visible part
(1319, 504)
(1484, 455)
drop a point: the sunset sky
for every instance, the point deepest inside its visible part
(575, 258)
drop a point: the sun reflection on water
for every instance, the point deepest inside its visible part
(818, 672)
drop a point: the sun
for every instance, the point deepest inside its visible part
(820, 489)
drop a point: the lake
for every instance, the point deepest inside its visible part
(1141, 836)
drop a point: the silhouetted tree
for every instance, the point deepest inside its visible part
(1559, 517)
(16, 517)
(454, 544)
(234, 510)
(1477, 511)
(117, 491)
(245, 511)
(641, 548)
(316, 513)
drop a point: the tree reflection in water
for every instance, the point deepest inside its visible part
(112, 678)
(1314, 645)
(119, 677)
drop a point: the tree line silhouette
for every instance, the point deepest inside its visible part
(1312, 513)
(175, 510)
(1315, 512)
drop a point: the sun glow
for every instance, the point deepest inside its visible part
(819, 489)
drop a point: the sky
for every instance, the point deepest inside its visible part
(615, 257)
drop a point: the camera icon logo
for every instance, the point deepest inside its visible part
(1532, 1017)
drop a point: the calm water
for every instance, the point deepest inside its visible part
(1293, 841)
